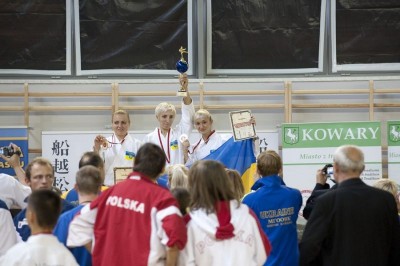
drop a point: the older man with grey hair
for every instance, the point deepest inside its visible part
(355, 224)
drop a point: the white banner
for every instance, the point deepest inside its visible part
(309, 147)
(65, 148)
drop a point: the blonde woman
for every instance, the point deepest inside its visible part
(391, 187)
(208, 142)
(166, 136)
(177, 176)
(119, 149)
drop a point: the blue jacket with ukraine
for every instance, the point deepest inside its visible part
(277, 207)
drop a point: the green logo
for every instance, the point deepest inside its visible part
(291, 135)
(394, 133)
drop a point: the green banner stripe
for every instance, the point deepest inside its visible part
(316, 135)
(393, 162)
(393, 133)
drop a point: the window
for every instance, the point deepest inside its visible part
(132, 37)
(265, 36)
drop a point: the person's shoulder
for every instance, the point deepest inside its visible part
(66, 205)
(69, 214)
(249, 197)
(21, 215)
(7, 179)
(15, 253)
(381, 193)
(293, 190)
(3, 205)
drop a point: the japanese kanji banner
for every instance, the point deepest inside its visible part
(65, 148)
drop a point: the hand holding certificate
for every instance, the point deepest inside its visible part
(242, 125)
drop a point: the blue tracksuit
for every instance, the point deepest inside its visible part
(277, 207)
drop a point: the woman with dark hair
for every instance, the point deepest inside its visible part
(221, 231)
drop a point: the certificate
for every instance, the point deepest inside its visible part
(121, 173)
(241, 125)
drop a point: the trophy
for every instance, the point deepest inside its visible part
(182, 66)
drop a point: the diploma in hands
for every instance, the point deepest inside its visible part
(242, 126)
(121, 173)
(182, 66)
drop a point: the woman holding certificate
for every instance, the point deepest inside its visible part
(166, 136)
(119, 149)
(209, 141)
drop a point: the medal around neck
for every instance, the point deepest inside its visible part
(182, 66)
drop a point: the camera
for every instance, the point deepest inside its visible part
(8, 151)
(328, 169)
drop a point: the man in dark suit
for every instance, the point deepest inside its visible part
(354, 224)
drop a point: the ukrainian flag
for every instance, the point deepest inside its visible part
(237, 155)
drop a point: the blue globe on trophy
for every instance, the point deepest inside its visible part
(182, 66)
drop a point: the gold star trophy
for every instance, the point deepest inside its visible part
(182, 66)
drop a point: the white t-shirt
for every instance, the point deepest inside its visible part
(12, 192)
(42, 249)
(7, 231)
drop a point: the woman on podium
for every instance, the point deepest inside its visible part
(168, 137)
(119, 149)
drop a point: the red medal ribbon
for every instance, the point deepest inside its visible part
(198, 143)
(162, 146)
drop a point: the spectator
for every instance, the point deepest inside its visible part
(88, 183)
(221, 230)
(42, 248)
(178, 176)
(15, 162)
(321, 187)
(7, 230)
(12, 191)
(236, 182)
(391, 187)
(39, 175)
(355, 224)
(88, 158)
(182, 195)
(135, 221)
(277, 207)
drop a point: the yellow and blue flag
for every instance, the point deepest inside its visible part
(237, 155)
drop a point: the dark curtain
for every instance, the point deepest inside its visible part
(367, 31)
(265, 34)
(33, 34)
(143, 34)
